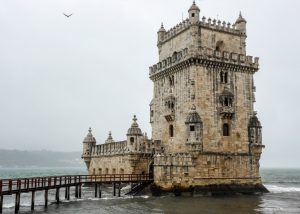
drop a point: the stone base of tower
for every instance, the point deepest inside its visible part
(207, 172)
(216, 187)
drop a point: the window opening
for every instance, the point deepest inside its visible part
(171, 131)
(225, 129)
(192, 128)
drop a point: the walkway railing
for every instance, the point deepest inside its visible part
(19, 185)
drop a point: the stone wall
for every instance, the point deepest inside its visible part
(120, 164)
(182, 170)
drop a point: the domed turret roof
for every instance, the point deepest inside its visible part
(194, 7)
(134, 129)
(89, 137)
(193, 116)
(162, 29)
(227, 92)
(240, 19)
(254, 122)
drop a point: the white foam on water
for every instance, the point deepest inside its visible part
(8, 205)
(280, 189)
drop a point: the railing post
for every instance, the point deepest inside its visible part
(10, 185)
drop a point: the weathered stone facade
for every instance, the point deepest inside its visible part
(204, 127)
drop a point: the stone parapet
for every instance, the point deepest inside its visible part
(116, 148)
(205, 56)
(212, 24)
(219, 25)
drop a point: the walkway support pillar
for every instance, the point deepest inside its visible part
(32, 199)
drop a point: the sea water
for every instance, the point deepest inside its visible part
(283, 184)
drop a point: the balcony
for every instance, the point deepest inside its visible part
(226, 112)
(169, 115)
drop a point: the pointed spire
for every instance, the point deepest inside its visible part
(134, 129)
(193, 108)
(109, 135)
(134, 118)
(240, 18)
(109, 138)
(89, 137)
(194, 7)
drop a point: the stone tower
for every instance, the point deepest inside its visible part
(202, 109)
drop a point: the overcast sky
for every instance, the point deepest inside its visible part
(59, 76)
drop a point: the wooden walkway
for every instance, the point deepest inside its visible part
(24, 185)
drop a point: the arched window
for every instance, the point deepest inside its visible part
(132, 140)
(106, 171)
(226, 77)
(172, 105)
(171, 80)
(225, 129)
(226, 102)
(171, 131)
(221, 77)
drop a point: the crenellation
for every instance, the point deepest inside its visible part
(203, 53)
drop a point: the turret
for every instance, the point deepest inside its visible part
(134, 136)
(88, 142)
(194, 13)
(109, 138)
(255, 130)
(161, 33)
(240, 24)
(194, 129)
(255, 137)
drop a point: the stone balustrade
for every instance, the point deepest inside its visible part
(177, 159)
(120, 147)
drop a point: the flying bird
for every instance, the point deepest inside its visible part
(68, 15)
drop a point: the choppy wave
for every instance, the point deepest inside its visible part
(41, 203)
(281, 189)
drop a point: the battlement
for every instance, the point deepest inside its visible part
(209, 23)
(219, 25)
(182, 26)
(206, 54)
